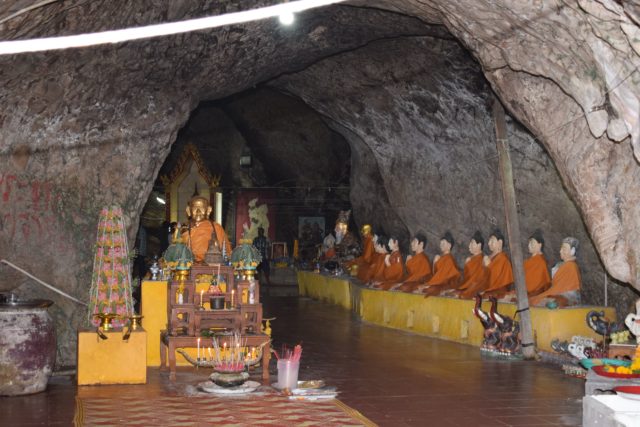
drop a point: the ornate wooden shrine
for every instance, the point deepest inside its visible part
(193, 317)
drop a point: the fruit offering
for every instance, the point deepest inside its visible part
(634, 368)
(620, 337)
(635, 363)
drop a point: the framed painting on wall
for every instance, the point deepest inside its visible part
(311, 229)
(256, 208)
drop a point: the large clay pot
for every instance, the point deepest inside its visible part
(27, 346)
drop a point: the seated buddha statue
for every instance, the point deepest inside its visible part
(445, 271)
(498, 266)
(375, 272)
(418, 265)
(363, 261)
(393, 266)
(198, 234)
(475, 274)
(536, 271)
(346, 245)
(565, 278)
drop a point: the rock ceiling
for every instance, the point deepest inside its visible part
(407, 83)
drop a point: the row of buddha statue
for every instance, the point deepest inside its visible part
(381, 266)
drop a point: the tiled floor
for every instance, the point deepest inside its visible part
(394, 378)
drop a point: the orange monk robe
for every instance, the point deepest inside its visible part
(566, 279)
(393, 272)
(476, 277)
(500, 273)
(418, 271)
(446, 274)
(536, 274)
(198, 239)
(364, 261)
(375, 272)
(418, 268)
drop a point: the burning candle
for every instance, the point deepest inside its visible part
(201, 292)
(198, 349)
(233, 293)
(210, 355)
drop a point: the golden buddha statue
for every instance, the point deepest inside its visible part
(201, 228)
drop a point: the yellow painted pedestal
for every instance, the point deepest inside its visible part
(447, 318)
(112, 361)
(154, 309)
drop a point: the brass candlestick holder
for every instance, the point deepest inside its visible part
(135, 322)
(180, 275)
(249, 273)
(105, 320)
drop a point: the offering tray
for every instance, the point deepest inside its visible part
(628, 391)
(310, 390)
(247, 387)
(304, 385)
(600, 371)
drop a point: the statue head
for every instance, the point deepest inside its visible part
(328, 242)
(260, 231)
(418, 243)
(569, 248)
(198, 209)
(446, 243)
(342, 224)
(381, 244)
(496, 241)
(536, 242)
(366, 230)
(477, 243)
(392, 244)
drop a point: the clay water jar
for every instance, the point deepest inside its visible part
(27, 346)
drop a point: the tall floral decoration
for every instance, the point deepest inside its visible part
(111, 279)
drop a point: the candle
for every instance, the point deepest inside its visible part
(201, 292)
(198, 349)
(233, 292)
(210, 355)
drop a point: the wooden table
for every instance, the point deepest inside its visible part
(169, 344)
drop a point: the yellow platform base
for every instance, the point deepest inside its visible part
(153, 308)
(329, 289)
(112, 361)
(447, 318)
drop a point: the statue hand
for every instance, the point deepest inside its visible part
(486, 260)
